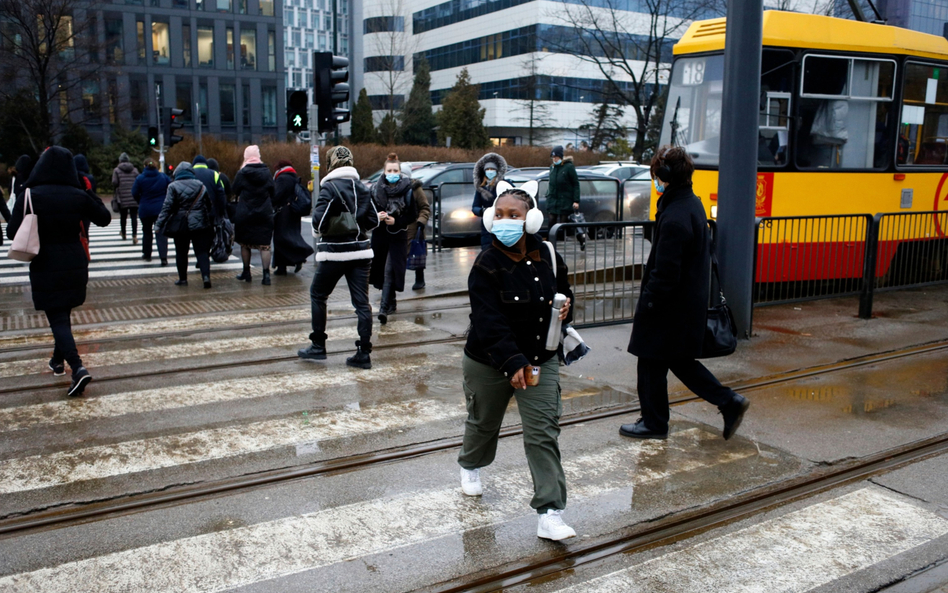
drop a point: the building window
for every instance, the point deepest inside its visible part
(924, 123)
(140, 31)
(202, 102)
(248, 49)
(328, 21)
(199, 4)
(290, 58)
(205, 47)
(186, 44)
(322, 42)
(288, 18)
(242, 6)
(271, 50)
(297, 39)
(266, 7)
(181, 4)
(223, 5)
(383, 24)
(183, 101)
(228, 104)
(315, 20)
(304, 59)
(139, 101)
(91, 107)
(160, 43)
(385, 64)
(245, 105)
(113, 101)
(114, 42)
(269, 106)
(310, 43)
(230, 48)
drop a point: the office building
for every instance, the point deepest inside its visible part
(309, 27)
(927, 16)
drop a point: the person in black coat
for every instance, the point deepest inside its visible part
(187, 199)
(672, 312)
(253, 219)
(488, 172)
(289, 248)
(213, 165)
(394, 198)
(60, 272)
(150, 190)
(82, 167)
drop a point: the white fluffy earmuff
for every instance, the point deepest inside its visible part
(534, 216)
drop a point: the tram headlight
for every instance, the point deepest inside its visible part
(714, 211)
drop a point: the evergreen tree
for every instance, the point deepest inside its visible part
(606, 126)
(418, 119)
(363, 128)
(388, 128)
(461, 117)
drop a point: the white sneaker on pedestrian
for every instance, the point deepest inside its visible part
(551, 526)
(471, 482)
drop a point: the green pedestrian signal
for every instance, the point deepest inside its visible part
(297, 103)
(153, 136)
(298, 121)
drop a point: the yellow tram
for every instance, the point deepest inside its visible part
(853, 120)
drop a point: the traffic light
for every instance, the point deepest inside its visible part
(297, 119)
(153, 136)
(171, 121)
(331, 74)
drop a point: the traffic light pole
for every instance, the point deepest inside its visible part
(161, 136)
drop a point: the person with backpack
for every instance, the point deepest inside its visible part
(150, 190)
(187, 216)
(289, 248)
(60, 271)
(343, 215)
(123, 178)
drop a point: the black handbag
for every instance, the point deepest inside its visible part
(418, 251)
(223, 244)
(343, 224)
(720, 335)
(177, 225)
(302, 203)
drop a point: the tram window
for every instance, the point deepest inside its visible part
(844, 113)
(693, 109)
(776, 86)
(923, 129)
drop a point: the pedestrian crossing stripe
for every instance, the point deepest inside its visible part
(242, 556)
(797, 552)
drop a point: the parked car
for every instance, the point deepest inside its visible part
(621, 172)
(415, 165)
(637, 193)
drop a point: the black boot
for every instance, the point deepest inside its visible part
(245, 275)
(361, 358)
(207, 281)
(297, 269)
(316, 351)
(279, 271)
(419, 280)
(266, 278)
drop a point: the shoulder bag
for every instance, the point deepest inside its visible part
(418, 251)
(178, 225)
(302, 203)
(572, 346)
(720, 336)
(344, 223)
(26, 242)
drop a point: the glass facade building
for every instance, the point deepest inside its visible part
(926, 16)
(308, 28)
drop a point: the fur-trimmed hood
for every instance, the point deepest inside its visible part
(490, 157)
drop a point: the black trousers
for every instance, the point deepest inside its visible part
(148, 232)
(653, 388)
(201, 240)
(328, 274)
(133, 212)
(65, 349)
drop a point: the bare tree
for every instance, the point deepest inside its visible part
(392, 46)
(629, 49)
(51, 46)
(537, 114)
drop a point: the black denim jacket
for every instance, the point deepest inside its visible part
(511, 300)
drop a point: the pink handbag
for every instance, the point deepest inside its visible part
(26, 243)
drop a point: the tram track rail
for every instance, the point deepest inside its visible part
(134, 503)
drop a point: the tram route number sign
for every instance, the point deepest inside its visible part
(692, 72)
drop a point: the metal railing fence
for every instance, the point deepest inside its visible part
(605, 262)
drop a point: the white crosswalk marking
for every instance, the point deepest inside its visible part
(297, 544)
(111, 258)
(791, 554)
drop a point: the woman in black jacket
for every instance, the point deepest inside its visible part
(488, 172)
(60, 272)
(672, 313)
(394, 199)
(253, 220)
(289, 248)
(512, 286)
(187, 216)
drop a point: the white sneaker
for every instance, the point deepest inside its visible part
(551, 526)
(471, 482)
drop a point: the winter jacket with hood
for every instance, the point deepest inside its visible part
(59, 274)
(181, 194)
(563, 191)
(123, 178)
(24, 166)
(339, 191)
(150, 189)
(485, 190)
(213, 182)
(253, 218)
(82, 167)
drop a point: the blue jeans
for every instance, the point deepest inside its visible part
(328, 274)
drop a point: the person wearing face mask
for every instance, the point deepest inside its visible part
(562, 195)
(394, 199)
(512, 285)
(671, 315)
(488, 172)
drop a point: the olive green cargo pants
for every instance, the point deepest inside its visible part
(488, 392)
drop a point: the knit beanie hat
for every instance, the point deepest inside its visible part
(557, 151)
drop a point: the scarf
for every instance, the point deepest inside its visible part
(284, 170)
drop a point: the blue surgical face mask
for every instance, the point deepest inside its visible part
(557, 161)
(508, 231)
(658, 186)
(490, 173)
(392, 177)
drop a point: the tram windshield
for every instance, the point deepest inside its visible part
(693, 109)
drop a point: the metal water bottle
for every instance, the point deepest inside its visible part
(556, 326)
